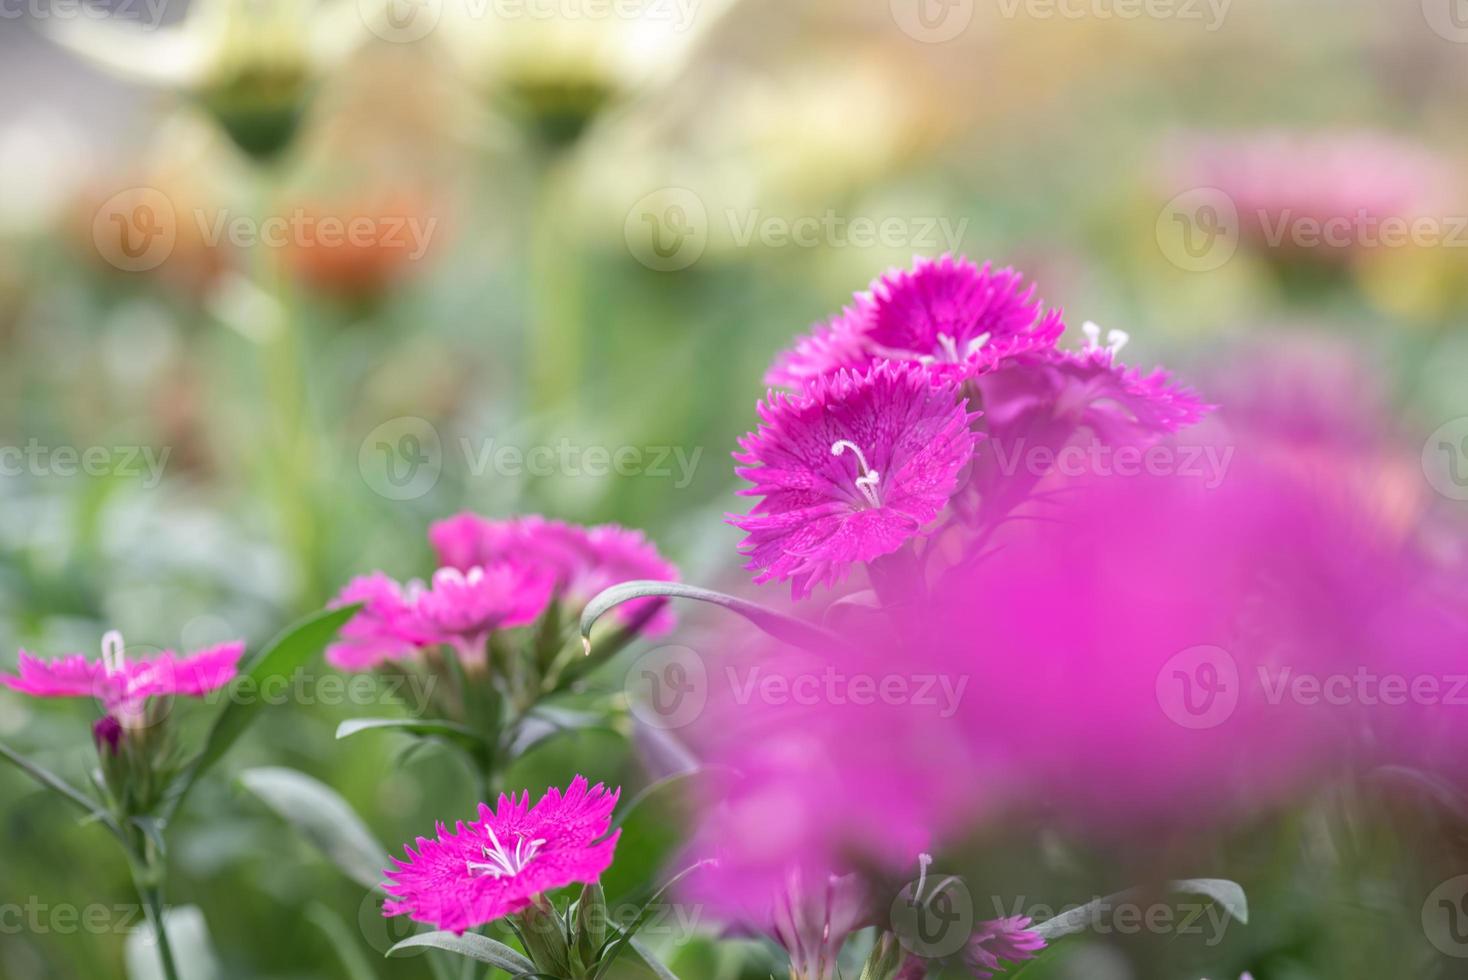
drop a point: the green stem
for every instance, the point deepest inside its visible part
(554, 342)
(148, 879)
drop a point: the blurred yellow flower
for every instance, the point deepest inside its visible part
(249, 63)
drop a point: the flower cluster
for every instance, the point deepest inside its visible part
(901, 407)
(495, 575)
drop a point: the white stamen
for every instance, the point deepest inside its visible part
(924, 859)
(977, 344)
(113, 661)
(867, 482)
(950, 347)
(500, 863)
(1115, 339)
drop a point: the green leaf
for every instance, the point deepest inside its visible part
(776, 624)
(449, 731)
(476, 947)
(321, 816)
(343, 941)
(56, 784)
(625, 934)
(1226, 893)
(652, 960)
(653, 824)
(285, 654)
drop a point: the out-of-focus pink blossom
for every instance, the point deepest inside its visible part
(122, 685)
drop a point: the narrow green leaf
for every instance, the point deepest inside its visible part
(625, 934)
(449, 731)
(652, 960)
(476, 947)
(321, 816)
(778, 625)
(281, 658)
(56, 784)
(1226, 893)
(652, 824)
(344, 941)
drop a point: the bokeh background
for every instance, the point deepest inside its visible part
(280, 283)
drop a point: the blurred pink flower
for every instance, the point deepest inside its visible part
(1285, 181)
(848, 471)
(581, 561)
(124, 686)
(1008, 939)
(496, 865)
(456, 608)
(959, 319)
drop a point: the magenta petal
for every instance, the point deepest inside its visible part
(496, 864)
(810, 457)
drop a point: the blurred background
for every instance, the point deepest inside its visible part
(282, 282)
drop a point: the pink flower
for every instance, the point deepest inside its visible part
(124, 686)
(849, 471)
(1001, 939)
(959, 319)
(1338, 187)
(456, 608)
(581, 561)
(1040, 401)
(496, 865)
